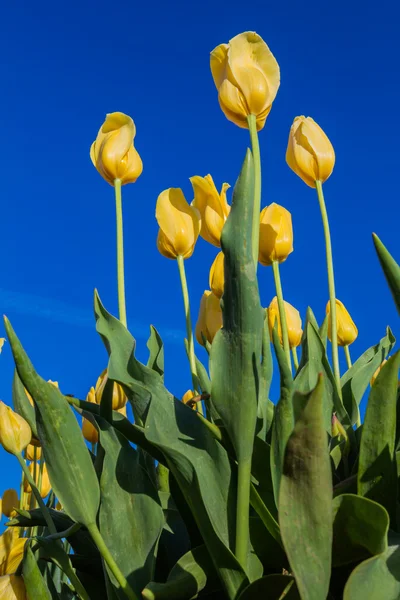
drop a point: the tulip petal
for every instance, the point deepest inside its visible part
(179, 222)
(218, 61)
(201, 327)
(212, 206)
(213, 316)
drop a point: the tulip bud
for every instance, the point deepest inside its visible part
(10, 502)
(30, 452)
(247, 78)
(212, 206)
(113, 153)
(347, 332)
(15, 433)
(12, 587)
(89, 431)
(293, 322)
(337, 428)
(45, 484)
(209, 320)
(179, 224)
(309, 154)
(276, 234)
(217, 275)
(188, 397)
(119, 398)
(375, 375)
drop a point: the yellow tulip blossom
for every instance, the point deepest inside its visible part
(276, 234)
(45, 484)
(310, 153)
(30, 452)
(217, 275)
(293, 321)
(119, 398)
(378, 370)
(188, 397)
(10, 502)
(12, 587)
(15, 433)
(213, 207)
(89, 431)
(11, 551)
(113, 153)
(209, 320)
(347, 332)
(247, 77)
(179, 224)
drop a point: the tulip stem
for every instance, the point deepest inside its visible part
(295, 359)
(243, 512)
(282, 312)
(112, 565)
(331, 283)
(348, 357)
(120, 253)
(189, 330)
(255, 148)
(42, 506)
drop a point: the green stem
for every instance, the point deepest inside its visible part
(331, 283)
(348, 357)
(295, 359)
(42, 506)
(242, 512)
(120, 253)
(105, 553)
(282, 312)
(255, 148)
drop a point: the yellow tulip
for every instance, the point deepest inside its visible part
(89, 431)
(11, 551)
(217, 275)
(15, 433)
(45, 486)
(113, 153)
(375, 375)
(276, 234)
(12, 587)
(209, 320)
(30, 452)
(212, 206)
(347, 332)
(247, 78)
(188, 397)
(179, 224)
(2, 340)
(310, 153)
(293, 321)
(119, 398)
(10, 502)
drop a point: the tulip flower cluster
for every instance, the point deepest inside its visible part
(232, 490)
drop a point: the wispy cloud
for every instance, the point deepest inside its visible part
(62, 312)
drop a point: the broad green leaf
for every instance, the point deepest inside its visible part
(196, 460)
(68, 461)
(22, 405)
(360, 528)
(190, 575)
(236, 348)
(36, 588)
(376, 578)
(390, 268)
(131, 517)
(156, 352)
(271, 587)
(356, 380)
(305, 501)
(265, 409)
(377, 470)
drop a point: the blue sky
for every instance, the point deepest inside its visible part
(65, 65)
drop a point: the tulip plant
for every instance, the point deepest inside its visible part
(224, 493)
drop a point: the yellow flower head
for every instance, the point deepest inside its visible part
(293, 321)
(347, 332)
(113, 153)
(375, 375)
(187, 397)
(247, 78)
(89, 431)
(119, 398)
(45, 485)
(15, 433)
(276, 234)
(212, 206)
(11, 551)
(12, 587)
(10, 503)
(209, 320)
(30, 452)
(309, 154)
(217, 275)
(179, 224)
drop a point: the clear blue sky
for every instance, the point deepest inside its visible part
(65, 65)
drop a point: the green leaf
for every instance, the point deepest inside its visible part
(376, 578)
(197, 461)
(377, 470)
(265, 409)
(36, 588)
(268, 550)
(68, 461)
(131, 517)
(189, 576)
(305, 501)
(360, 528)
(271, 587)
(236, 348)
(390, 268)
(156, 352)
(22, 405)
(356, 380)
